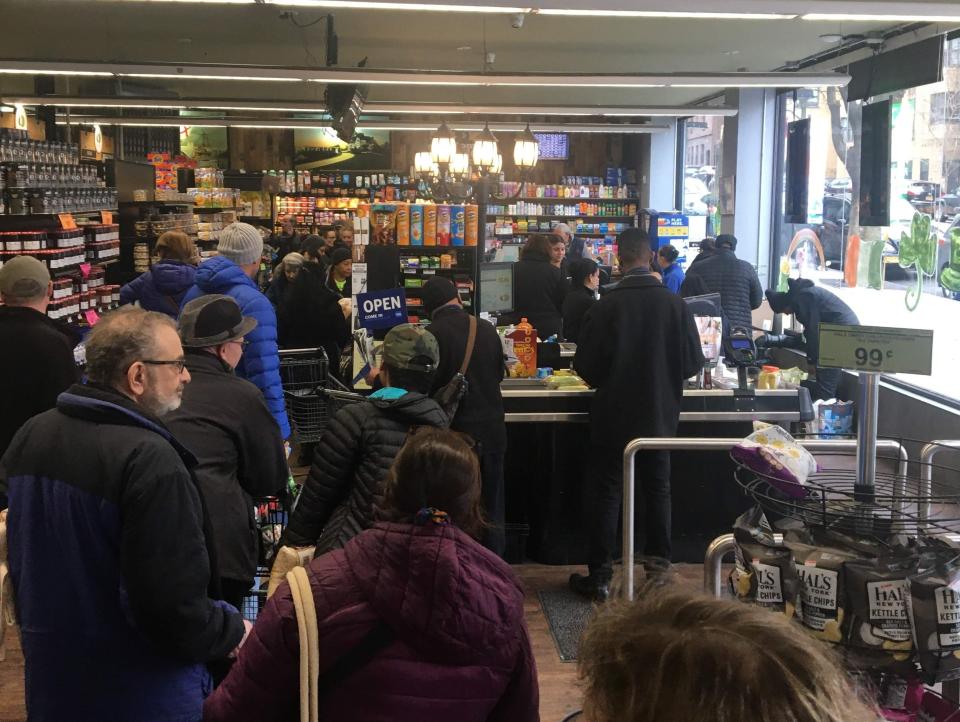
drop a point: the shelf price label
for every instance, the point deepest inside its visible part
(876, 348)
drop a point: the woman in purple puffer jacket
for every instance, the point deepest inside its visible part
(162, 287)
(417, 621)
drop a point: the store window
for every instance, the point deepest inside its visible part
(703, 139)
(864, 265)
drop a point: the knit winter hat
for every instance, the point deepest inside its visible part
(339, 255)
(241, 243)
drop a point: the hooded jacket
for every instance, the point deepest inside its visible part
(737, 283)
(460, 651)
(225, 423)
(261, 359)
(110, 565)
(812, 306)
(637, 345)
(161, 288)
(349, 464)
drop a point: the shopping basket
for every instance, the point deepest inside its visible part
(302, 372)
(270, 516)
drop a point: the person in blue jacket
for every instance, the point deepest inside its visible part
(163, 286)
(669, 268)
(231, 273)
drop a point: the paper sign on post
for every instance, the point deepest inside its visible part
(381, 309)
(876, 348)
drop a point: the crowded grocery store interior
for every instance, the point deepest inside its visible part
(474, 361)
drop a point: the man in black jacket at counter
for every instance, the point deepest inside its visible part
(637, 345)
(225, 422)
(480, 413)
(734, 279)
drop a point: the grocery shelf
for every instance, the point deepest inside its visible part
(557, 199)
(576, 233)
(535, 215)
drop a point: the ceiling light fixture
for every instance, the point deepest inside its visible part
(883, 18)
(706, 14)
(398, 77)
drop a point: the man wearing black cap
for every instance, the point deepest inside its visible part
(736, 281)
(812, 305)
(480, 412)
(225, 422)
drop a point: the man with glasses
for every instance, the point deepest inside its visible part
(115, 581)
(225, 422)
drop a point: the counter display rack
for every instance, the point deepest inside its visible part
(418, 264)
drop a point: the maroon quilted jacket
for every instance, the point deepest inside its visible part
(460, 649)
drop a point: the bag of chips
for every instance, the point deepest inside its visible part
(822, 601)
(934, 613)
(772, 453)
(764, 573)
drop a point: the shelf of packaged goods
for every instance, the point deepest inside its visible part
(215, 208)
(578, 233)
(431, 271)
(317, 194)
(570, 199)
(156, 203)
(578, 215)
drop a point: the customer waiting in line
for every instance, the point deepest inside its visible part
(480, 412)
(708, 247)
(114, 574)
(284, 275)
(670, 270)
(313, 316)
(163, 287)
(637, 345)
(226, 424)
(416, 620)
(584, 282)
(329, 236)
(735, 280)
(674, 655)
(37, 362)
(231, 273)
(357, 449)
(287, 240)
(340, 272)
(344, 233)
(540, 290)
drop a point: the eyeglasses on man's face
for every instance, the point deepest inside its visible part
(178, 363)
(242, 342)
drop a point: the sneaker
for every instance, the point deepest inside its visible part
(589, 586)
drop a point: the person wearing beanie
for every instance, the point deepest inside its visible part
(735, 280)
(480, 412)
(284, 275)
(37, 363)
(226, 424)
(812, 305)
(231, 273)
(584, 282)
(340, 272)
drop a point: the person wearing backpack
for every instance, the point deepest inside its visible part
(480, 409)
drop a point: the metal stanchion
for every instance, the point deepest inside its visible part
(927, 455)
(706, 444)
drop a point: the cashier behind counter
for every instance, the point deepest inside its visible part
(812, 305)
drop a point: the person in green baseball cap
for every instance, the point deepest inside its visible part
(361, 442)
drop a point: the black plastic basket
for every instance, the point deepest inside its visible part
(303, 372)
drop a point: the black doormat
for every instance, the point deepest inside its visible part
(568, 615)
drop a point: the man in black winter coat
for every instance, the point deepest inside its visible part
(225, 422)
(37, 363)
(480, 413)
(735, 280)
(638, 344)
(356, 451)
(113, 569)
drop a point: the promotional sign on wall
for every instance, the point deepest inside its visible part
(381, 309)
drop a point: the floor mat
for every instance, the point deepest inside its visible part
(567, 614)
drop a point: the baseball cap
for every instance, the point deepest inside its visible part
(212, 320)
(727, 240)
(411, 347)
(24, 277)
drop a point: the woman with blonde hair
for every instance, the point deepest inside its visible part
(163, 287)
(674, 655)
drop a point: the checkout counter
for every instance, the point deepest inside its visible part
(546, 467)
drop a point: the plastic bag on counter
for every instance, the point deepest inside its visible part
(934, 612)
(791, 378)
(773, 453)
(764, 573)
(832, 418)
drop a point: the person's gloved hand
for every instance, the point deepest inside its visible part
(781, 340)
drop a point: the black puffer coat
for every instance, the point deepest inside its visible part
(349, 464)
(737, 283)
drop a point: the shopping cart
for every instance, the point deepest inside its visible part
(303, 371)
(270, 516)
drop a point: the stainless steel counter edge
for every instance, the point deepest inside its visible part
(583, 417)
(530, 393)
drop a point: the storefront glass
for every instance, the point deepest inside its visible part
(702, 166)
(891, 275)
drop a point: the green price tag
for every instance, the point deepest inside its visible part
(876, 348)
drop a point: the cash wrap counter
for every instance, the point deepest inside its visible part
(548, 461)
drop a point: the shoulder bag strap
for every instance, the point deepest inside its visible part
(471, 341)
(309, 641)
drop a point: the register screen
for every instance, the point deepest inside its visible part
(496, 287)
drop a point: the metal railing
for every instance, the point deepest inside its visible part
(711, 569)
(927, 454)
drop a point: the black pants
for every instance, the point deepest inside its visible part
(491, 473)
(605, 505)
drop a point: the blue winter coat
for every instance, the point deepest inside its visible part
(261, 360)
(161, 288)
(673, 277)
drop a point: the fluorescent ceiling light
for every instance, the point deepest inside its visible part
(365, 5)
(884, 17)
(398, 77)
(719, 15)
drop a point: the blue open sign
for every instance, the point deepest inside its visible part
(382, 309)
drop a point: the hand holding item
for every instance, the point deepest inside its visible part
(346, 305)
(372, 375)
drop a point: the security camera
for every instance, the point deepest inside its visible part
(517, 20)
